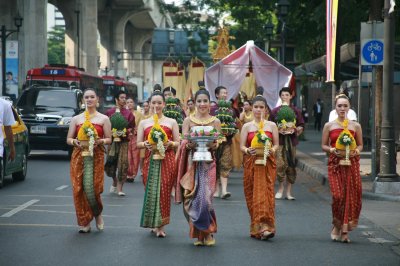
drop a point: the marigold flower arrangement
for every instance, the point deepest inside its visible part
(346, 142)
(87, 132)
(261, 141)
(157, 136)
(118, 125)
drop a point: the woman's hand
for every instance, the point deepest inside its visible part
(76, 143)
(213, 145)
(98, 142)
(147, 145)
(169, 144)
(251, 151)
(191, 145)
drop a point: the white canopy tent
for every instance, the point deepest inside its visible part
(231, 71)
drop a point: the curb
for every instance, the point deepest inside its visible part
(374, 196)
(318, 170)
(312, 166)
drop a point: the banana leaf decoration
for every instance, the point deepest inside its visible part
(345, 138)
(262, 143)
(286, 118)
(157, 137)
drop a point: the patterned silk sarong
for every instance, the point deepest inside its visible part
(258, 185)
(346, 189)
(199, 187)
(84, 213)
(158, 177)
(117, 161)
(133, 157)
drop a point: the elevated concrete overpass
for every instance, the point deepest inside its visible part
(123, 26)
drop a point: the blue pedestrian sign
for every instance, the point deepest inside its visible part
(372, 52)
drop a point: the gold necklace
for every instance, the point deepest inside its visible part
(248, 116)
(344, 124)
(201, 122)
(257, 123)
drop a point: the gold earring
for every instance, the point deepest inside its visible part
(97, 104)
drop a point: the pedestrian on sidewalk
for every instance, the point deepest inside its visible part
(198, 179)
(286, 153)
(88, 186)
(318, 110)
(159, 165)
(259, 178)
(344, 175)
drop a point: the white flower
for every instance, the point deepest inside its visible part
(160, 145)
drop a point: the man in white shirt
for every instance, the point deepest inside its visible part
(351, 115)
(6, 120)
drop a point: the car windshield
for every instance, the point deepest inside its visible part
(55, 99)
(48, 98)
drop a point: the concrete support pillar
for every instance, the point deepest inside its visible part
(33, 35)
(88, 36)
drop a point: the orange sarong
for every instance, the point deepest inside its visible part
(258, 185)
(346, 190)
(84, 213)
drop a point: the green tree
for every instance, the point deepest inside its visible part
(56, 45)
(306, 21)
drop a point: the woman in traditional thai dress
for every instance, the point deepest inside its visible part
(343, 170)
(133, 151)
(87, 185)
(260, 173)
(247, 114)
(198, 179)
(146, 113)
(158, 174)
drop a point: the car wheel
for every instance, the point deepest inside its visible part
(20, 176)
(1, 173)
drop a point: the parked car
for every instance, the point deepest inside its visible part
(47, 112)
(17, 168)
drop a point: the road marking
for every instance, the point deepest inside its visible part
(19, 208)
(62, 187)
(379, 240)
(362, 226)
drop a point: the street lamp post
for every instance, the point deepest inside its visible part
(388, 180)
(283, 7)
(4, 34)
(269, 31)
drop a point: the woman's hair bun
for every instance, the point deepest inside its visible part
(260, 91)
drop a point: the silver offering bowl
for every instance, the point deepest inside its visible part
(202, 154)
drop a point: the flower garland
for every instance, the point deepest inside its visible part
(88, 132)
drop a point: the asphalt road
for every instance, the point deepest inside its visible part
(45, 232)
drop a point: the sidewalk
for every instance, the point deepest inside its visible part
(313, 161)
